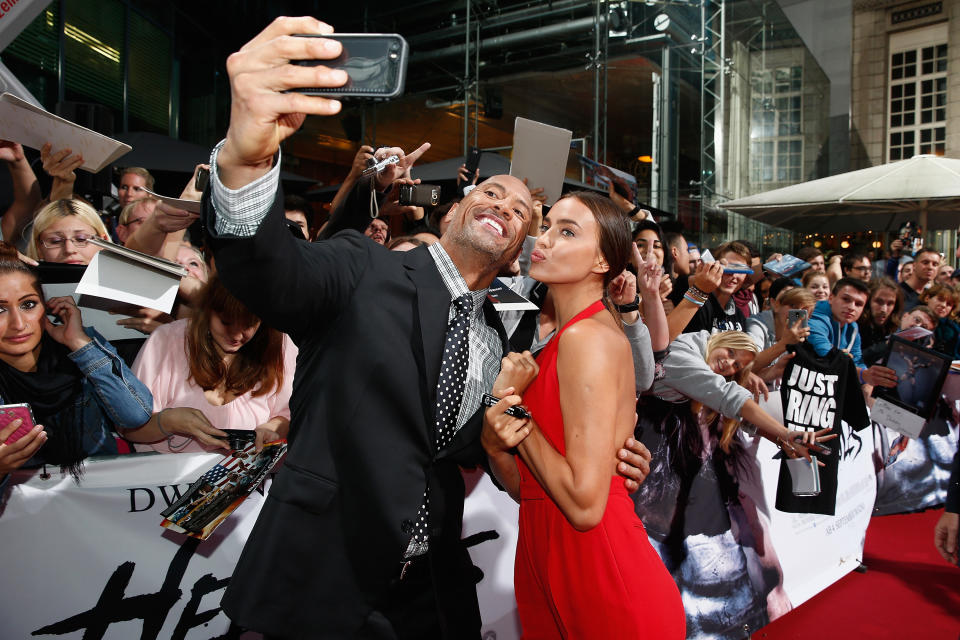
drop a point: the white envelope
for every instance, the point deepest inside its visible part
(116, 277)
(193, 206)
(540, 155)
(33, 127)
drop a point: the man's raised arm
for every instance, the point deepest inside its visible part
(261, 114)
(244, 171)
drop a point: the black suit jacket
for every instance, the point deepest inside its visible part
(370, 327)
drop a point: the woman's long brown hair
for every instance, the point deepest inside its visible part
(257, 366)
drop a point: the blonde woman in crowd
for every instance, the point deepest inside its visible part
(62, 232)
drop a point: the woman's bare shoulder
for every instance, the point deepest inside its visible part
(595, 341)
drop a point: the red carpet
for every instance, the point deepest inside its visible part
(908, 592)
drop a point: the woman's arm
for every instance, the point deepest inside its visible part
(182, 421)
(26, 191)
(121, 396)
(596, 399)
(794, 443)
(364, 154)
(794, 333)
(706, 280)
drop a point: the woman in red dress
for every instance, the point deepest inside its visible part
(584, 567)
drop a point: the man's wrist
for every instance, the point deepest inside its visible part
(234, 172)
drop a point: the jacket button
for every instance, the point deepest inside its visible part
(407, 526)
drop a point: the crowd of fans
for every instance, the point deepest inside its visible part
(708, 338)
(852, 304)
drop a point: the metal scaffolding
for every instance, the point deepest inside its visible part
(713, 68)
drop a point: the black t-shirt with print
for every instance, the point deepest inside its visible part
(714, 318)
(817, 393)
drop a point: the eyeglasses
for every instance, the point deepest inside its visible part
(860, 269)
(56, 242)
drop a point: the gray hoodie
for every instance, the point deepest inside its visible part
(687, 375)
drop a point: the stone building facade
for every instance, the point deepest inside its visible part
(904, 100)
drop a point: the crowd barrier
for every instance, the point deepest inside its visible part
(91, 560)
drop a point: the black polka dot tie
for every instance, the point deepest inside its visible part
(453, 370)
(453, 375)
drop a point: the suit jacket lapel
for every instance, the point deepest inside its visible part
(433, 306)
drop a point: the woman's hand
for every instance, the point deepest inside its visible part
(265, 434)
(70, 333)
(708, 276)
(60, 164)
(800, 444)
(623, 288)
(12, 456)
(666, 286)
(755, 385)
(191, 423)
(361, 160)
(517, 371)
(145, 320)
(501, 431)
(796, 332)
(190, 190)
(649, 273)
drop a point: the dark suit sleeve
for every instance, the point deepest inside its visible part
(355, 212)
(293, 286)
(953, 489)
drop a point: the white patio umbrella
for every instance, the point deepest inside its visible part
(924, 189)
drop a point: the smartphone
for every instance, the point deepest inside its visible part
(473, 162)
(376, 64)
(9, 413)
(804, 476)
(203, 177)
(239, 438)
(796, 314)
(419, 195)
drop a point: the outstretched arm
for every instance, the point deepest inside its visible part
(26, 191)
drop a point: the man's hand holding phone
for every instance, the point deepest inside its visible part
(262, 114)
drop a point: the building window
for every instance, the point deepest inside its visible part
(917, 122)
(776, 125)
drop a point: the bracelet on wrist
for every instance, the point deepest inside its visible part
(629, 307)
(697, 292)
(696, 296)
(693, 300)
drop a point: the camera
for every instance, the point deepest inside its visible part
(419, 195)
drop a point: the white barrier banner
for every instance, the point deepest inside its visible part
(90, 560)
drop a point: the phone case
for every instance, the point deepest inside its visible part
(9, 413)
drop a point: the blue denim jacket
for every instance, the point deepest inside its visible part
(111, 397)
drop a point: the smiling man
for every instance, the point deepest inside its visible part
(834, 325)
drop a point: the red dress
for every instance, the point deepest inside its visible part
(607, 582)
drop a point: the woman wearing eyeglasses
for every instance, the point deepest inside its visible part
(62, 230)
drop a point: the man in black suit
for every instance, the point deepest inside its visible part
(947, 531)
(337, 551)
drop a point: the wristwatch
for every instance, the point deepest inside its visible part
(629, 307)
